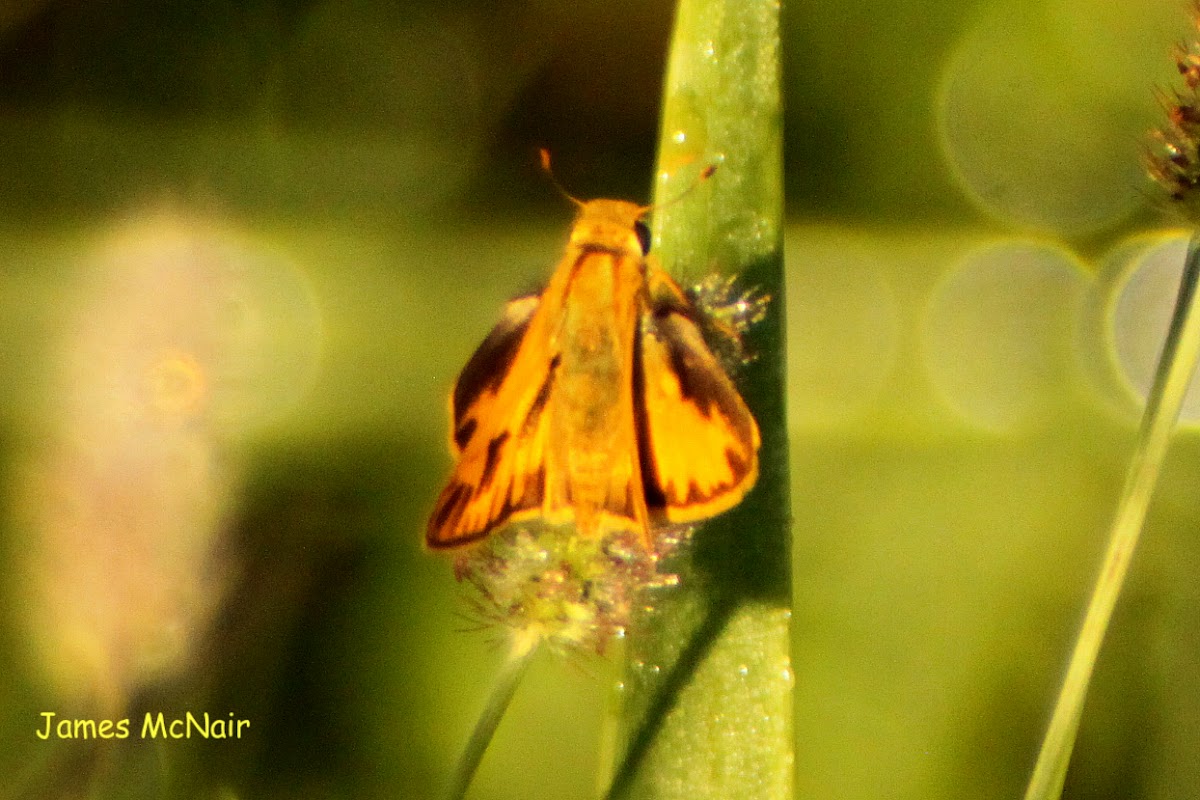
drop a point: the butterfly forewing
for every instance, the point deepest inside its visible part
(699, 441)
(475, 392)
(498, 429)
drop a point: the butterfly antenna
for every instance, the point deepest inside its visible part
(545, 157)
(704, 175)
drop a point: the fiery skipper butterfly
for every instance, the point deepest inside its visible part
(596, 402)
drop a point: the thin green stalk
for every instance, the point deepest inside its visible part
(523, 650)
(1176, 365)
(708, 697)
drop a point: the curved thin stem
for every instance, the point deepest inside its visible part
(523, 650)
(1176, 365)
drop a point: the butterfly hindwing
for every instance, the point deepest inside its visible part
(699, 441)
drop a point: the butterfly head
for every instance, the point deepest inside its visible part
(612, 225)
(615, 225)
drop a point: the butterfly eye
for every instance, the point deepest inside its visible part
(643, 233)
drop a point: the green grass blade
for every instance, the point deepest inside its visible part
(1176, 365)
(708, 710)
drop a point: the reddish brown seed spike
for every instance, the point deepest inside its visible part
(1186, 117)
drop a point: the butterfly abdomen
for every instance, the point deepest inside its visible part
(593, 435)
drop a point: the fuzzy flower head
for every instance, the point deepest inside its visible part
(729, 312)
(547, 583)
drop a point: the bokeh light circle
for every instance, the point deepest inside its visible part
(997, 332)
(191, 321)
(1139, 300)
(1040, 118)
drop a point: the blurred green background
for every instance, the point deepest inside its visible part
(246, 246)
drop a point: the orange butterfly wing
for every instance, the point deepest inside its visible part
(699, 441)
(500, 474)
(478, 386)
